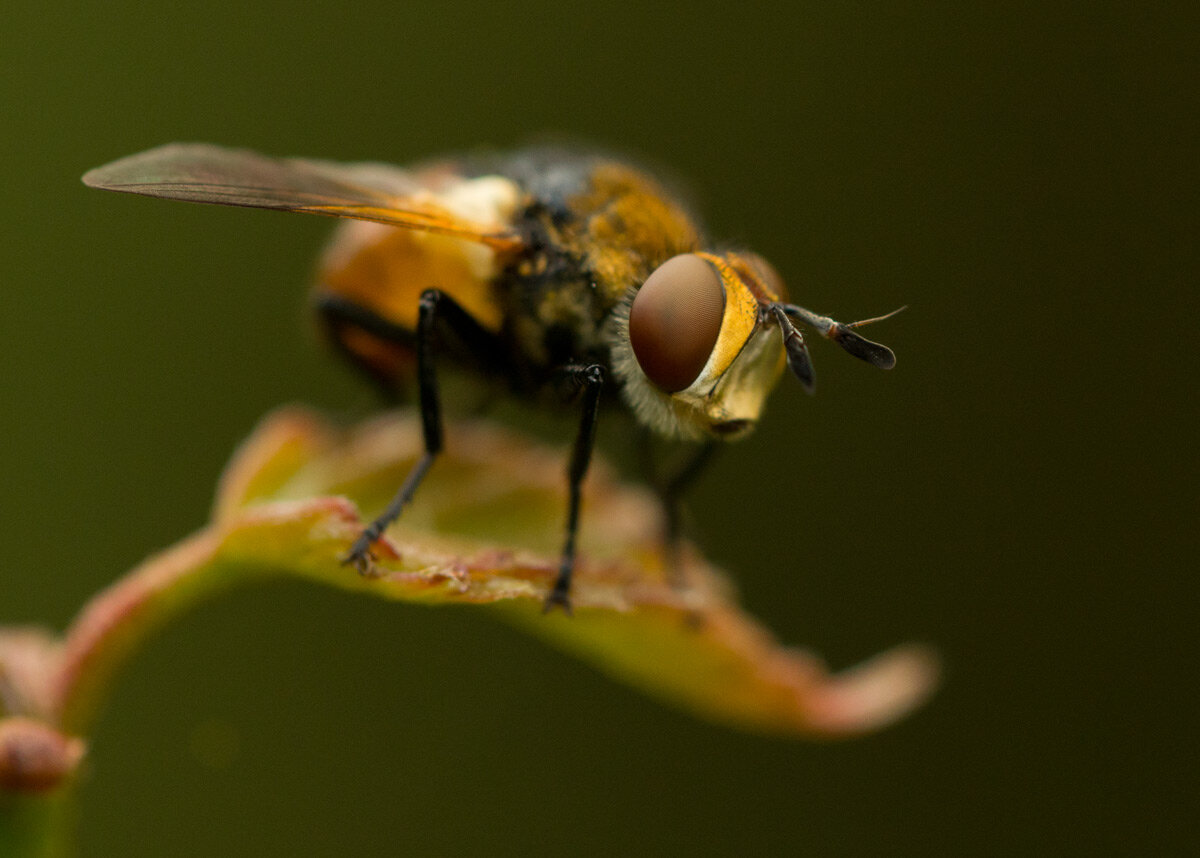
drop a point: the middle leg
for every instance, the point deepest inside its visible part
(592, 379)
(436, 308)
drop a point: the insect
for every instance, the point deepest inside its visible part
(549, 272)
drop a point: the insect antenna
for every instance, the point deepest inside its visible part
(843, 334)
(797, 350)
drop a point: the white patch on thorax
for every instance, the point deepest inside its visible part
(489, 200)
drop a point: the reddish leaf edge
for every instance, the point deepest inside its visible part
(60, 684)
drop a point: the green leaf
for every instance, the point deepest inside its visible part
(485, 530)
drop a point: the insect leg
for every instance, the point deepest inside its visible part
(591, 377)
(671, 493)
(670, 490)
(435, 308)
(670, 487)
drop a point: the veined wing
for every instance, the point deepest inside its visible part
(203, 173)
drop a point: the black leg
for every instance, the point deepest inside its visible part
(436, 308)
(592, 379)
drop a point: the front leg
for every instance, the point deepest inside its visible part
(591, 377)
(436, 307)
(671, 481)
(670, 493)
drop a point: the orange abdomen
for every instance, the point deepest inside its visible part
(384, 270)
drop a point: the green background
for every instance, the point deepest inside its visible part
(1016, 492)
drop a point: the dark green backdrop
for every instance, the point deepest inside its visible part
(1015, 492)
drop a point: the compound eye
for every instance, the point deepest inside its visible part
(675, 319)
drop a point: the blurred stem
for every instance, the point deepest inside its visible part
(38, 825)
(106, 633)
(116, 622)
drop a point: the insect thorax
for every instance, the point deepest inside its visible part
(596, 229)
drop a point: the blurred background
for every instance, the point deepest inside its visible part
(1016, 492)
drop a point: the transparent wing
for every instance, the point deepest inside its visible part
(203, 173)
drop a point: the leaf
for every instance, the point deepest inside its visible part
(485, 530)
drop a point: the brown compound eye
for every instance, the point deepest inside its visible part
(675, 319)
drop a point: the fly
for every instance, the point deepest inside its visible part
(556, 274)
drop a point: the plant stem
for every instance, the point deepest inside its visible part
(38, 825)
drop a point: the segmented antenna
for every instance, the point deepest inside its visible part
(841, 333)
(797, 350)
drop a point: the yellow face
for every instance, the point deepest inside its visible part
(695, 351)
